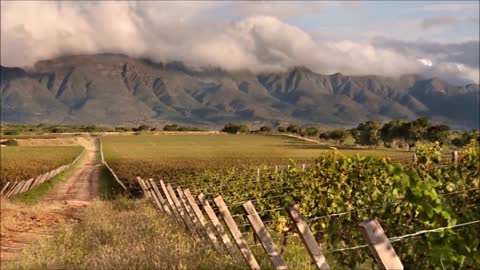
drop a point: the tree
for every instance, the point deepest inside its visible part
(415, 131)
(439, 133)
(338, 135)
(310, 131)
(266, 129)
(170, 127)
(367, 133)
(235, 128)
(142, 128)
(391, 131)
(281, 129)
(293, 128)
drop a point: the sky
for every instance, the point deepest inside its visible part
(386, 38)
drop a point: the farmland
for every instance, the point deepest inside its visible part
(24, 162)
(173, 156)
(335, 193)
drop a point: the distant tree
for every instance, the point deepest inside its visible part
(465, 138)
(11, 132)
(58, 129)
(281, 129)
(367, 133)
(439, 133)
(235, 128)
(90, 128)
(265, 129)
(170, 127)
(338, 135)
(415, 131)
(293, 128)
(310, 131)
(142, 128)
(391, 131)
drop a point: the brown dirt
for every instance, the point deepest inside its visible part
(23, 224)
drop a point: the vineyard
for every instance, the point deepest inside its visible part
(423, 206)
(177, 156)
(24, 162)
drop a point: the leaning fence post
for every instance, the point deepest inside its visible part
(10, 190)
(193, 218)
(160, 197)
(143, 186)
(414, 159)
(5, 188)
(170, 202)
(455, 157)
(218, 226)
(309, 241)
(154, 195)
(237, 235)
(183, 215)
(264, 237)
(203, 221)
(379, 245)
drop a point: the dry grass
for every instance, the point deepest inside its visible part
(120, 234)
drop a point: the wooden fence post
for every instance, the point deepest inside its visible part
(455, 157)
(36, 182)
(143, 186)
(10, 190)
(193, 218)
(276, 168)
(17, 188)
(160, 197)
(203, 221)
(170, 202)
(154, 195)
(414, 159)
(309, 241)
(258, 174)
(218, 226)
(4, 188)
(183, 215)
(26, 186)
(303, 167)
(237, 235)
(379, 245)
(264, 237)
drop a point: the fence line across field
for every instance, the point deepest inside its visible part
(17, 187)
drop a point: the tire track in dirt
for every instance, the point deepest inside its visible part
(21, 225)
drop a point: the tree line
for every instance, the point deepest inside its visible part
(395, 133)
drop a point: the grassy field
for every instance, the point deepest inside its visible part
(215, 147)
(173, 156)
(24, 162)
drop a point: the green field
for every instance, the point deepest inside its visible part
(173, 156)
(24, 162)
(214, 147)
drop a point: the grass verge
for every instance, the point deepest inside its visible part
(120, 234)
(36, 194)
(109, 188)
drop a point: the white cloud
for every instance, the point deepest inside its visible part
(166, 31)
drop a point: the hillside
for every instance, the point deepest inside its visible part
(116, 89)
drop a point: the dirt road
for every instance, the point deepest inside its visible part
(21, 224)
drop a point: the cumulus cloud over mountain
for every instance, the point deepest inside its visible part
(254, 37)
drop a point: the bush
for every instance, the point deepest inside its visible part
(282, 129)
(266, 129)
(11, 132)
(233, 128)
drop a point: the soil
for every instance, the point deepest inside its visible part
(23, 224)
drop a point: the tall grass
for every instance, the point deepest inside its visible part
(121, 234)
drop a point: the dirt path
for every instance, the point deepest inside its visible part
(21, 225)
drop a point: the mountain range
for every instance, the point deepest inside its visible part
(116, 89)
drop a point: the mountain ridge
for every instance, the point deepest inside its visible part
(116, 89)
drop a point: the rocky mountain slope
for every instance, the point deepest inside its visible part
(116, 89)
